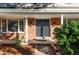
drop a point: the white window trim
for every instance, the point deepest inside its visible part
(18, 25)
(40, 38)
(7, 24)
(7, 27)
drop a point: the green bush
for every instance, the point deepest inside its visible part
(68, 37)
(16, 41)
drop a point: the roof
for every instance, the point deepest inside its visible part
(38, 8)
(38, 5)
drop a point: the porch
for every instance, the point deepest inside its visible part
(33, 28)
(31, 32)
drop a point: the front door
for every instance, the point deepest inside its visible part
(42, 28)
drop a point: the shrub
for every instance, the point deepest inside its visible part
(68, 37)
(16, 42)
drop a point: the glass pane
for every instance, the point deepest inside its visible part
(45, 31)
(42, 28)
(0, 25)
(46, 28)
(13, 25)
(38, 28)
(4, 25)
(22, 25)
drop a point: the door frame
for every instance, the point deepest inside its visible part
(49, 28)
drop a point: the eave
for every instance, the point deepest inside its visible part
(54, 10)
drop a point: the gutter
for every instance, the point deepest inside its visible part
(41, 10)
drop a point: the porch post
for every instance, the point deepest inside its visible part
(66, 21)
(61, 19)
(26, 29)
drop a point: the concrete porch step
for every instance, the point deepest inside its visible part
(39, 42)
(5, 42)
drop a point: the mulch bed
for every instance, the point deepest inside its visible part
(11, 49)
(8, 49)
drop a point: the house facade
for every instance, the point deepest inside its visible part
(34, 24)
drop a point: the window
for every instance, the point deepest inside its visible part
(42, 28)
(21, 25)
(4, 25)
(12, 25)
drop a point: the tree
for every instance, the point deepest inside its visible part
(68, 37)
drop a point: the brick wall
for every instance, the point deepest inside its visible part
(55, 22)
(31, 28)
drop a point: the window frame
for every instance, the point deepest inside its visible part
(4, 25)
(7, 26)
(42, 31)
(14, 22)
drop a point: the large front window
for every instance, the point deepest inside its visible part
(21, 25)
(12, 25)
(42, 28)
